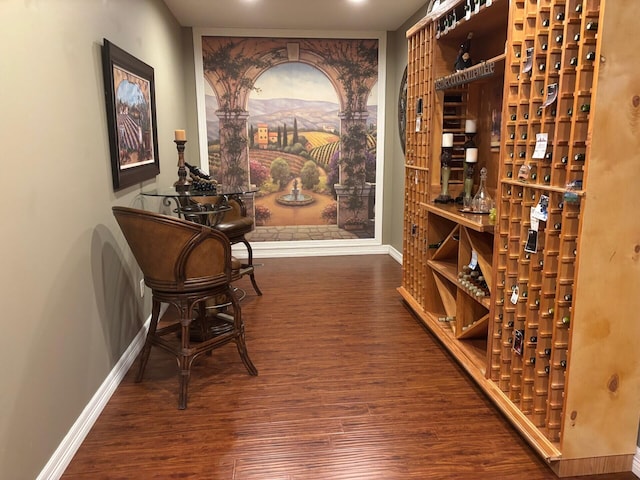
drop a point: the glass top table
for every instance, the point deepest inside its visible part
(201, 206)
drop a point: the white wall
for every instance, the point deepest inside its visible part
(68, 304)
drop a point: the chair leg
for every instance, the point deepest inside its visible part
(250, 262)
(240, 343)
(184, 363)
(153, 325)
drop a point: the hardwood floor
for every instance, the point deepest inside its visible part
(350, 386)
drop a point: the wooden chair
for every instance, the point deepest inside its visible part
(185, 264)
(235, 224)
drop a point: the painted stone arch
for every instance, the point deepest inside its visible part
(231, 66)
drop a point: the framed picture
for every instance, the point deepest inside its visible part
(131, 117)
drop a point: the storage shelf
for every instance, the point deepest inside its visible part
(477, 222)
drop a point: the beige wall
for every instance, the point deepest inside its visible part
(69, 304)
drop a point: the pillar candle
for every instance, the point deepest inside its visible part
(471, 155)
(447, 139)
(180, 135)
(470, 126)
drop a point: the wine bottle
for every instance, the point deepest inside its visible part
(512, 135)
(579, 157)
(557, 226)
(560, 17)
(590, 56)
(547, 352)
(548, 156)
(568, 297)
(579, 8)
(526, 116)
(585, 107)
(522, 154)
(532, 360)
(564, 160)
(544, 47)
(197, 171)
(533, 339)
(569, 111)
(510, 324)
(534, 176)
(563, 363)
(559, 39)
(542, 67)
(545, 22)
(573, 61)
(511, 153)
(546, 369)
(557, 65)
(592, 26)
(539, 112)
(547, 178)
(576, 37)
(566, 320)
(513, 116)
(524, 136)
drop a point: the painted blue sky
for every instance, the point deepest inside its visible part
(296, 80)
(129, 93)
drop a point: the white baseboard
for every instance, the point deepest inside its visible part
(63, 455)
(635, 468)
(395, 254)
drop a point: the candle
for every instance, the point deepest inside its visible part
(447, 139)
(471, 155)
(470, 126)
(180, 135)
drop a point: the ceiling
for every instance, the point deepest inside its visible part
(321, 15)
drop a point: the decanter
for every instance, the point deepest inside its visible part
(482, 201)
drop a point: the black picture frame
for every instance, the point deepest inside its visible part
(131, 117)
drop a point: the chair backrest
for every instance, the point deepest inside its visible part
(173, 254)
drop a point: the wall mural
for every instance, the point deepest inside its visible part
(297, 118)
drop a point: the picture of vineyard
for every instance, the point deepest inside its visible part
(288, 124)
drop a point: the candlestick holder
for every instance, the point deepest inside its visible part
(183, 183)
(470, 159)
(445, 172)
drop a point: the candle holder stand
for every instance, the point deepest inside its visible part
(445, 172)
(183, 183)
(468, 169)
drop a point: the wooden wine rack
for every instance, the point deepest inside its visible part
(550, 342)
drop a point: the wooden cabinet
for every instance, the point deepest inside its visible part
(551, 332)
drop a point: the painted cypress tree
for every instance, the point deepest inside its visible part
(295, 131)
(285, 140)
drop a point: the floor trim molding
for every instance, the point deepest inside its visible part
(70, 444)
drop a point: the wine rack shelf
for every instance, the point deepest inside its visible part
(537, 303)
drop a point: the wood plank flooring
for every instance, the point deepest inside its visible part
(350, 386)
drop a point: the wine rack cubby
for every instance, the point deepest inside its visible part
(546, 331)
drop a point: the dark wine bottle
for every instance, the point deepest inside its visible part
(524, 136)
(533, 339)
(579, 8)
(568, 297)
(579, 157)
(532, 360)
(522, 154)
(197, 171)
(547, 352)
(542, 67)
(559, 39)
(590, 56)
(548, 156)
(546, 369)
(585, 107)
(592, 26)
(545, 22)
(560, 17)
(570, 111)
(547, 178)
(564, 160)
(557, 226)
(544, 47)
(526, 116)
(573, 61)
(566, 320)
(513, 116)
(557, 65)
(512, 135)
(576, 37)
(563, 363)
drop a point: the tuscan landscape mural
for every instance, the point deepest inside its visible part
(297, 118)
